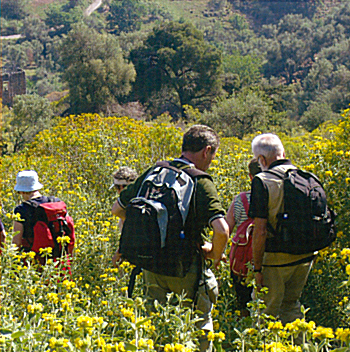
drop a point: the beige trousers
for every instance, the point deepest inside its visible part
(158, 286)
(285, 285)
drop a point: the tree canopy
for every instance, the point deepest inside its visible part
(240, 114)
(125, 15)
(30, 115)
(95, 70)
(176, 58)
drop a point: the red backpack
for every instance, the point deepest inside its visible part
(241, 250)
(52, 221)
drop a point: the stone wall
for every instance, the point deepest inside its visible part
(12, 84)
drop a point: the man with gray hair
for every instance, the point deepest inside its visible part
(284, 274)
(122, 177)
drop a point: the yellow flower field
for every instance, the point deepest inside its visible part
(90, 311)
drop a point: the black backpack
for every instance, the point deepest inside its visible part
(153, 236)
(306, 223)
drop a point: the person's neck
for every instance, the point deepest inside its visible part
(28, 196)
(271, 161)
(186, 158)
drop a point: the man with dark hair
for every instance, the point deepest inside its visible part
(200, 144)
(284, 274)
(198, 137)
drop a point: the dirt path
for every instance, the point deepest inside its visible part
(94, 6)
(14, 36)
(90, 9)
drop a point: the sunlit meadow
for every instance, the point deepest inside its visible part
(89, 311)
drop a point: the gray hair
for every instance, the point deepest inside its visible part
(268, 145)
(126, 174)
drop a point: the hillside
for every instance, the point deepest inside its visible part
(288, 63)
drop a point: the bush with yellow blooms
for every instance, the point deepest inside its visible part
(48, 310)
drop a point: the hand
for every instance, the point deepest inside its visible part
(259, 281)
(207, 249)
(116, 259)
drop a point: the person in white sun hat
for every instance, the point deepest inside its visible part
(28, 186)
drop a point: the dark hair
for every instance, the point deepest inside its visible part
(254, 167)
(198, 137)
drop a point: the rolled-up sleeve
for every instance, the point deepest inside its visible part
(208, 205)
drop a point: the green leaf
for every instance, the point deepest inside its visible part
(175, 317)
(17, 334)
(188, 318)
(141, 322)
(130, 347)
(5, 331)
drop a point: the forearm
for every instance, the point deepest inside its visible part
(219, 241)
(118, 211)
(17, 240)
(18, 229)
(259, 241)
(258, 250)
(230, 219)
(2, 237)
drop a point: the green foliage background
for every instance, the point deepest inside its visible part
(295, 58)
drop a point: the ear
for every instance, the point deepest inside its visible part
(206, 150)
(262, 161)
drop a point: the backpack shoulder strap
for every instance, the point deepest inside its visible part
(196, 173)
(32, 203)
(35, 204)
(51, 199)
(276, 173)
(164, 164)
(245, 202)
(193, 172)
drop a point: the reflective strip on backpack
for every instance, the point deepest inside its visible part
(183, 188)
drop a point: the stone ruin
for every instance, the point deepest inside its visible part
(12, 84)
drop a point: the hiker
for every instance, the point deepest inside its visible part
(284, 274)
(237, 214)
(123, 177)
(200, 144)
(32, 214)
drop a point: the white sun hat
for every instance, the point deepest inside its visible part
(27, 181)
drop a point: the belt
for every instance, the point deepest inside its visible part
(300, 261)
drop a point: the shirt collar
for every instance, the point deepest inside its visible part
(184, 161)
(280, 162)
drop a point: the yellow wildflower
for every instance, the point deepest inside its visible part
(45, 251)
(343, 334)
(63, 240)
(322, 333)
